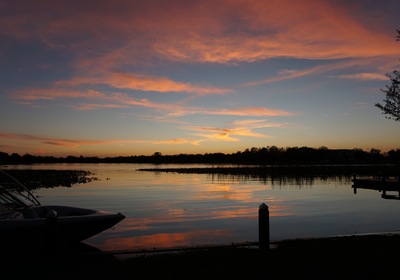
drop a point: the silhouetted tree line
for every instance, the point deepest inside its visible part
(261, 156)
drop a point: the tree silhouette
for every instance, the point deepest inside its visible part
(391, 108)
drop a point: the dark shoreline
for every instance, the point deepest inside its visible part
(49, 178)
(351, 257)
(288, 172)
(43, 178)
(347, 257)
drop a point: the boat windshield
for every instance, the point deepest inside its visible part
(14, 195)
(13, 199)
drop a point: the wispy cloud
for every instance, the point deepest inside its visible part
(265, 29)
(225, 132)
(52, 94)
(142, 83)
(168, 57)
(74, 143)
(99, 99)
(362, 76)
(177, 141)
(236, 31)
(71, 143)
(248, 111)
(257, 123)
(237, 129)
(242, 128)
(122, 100)
(288, 74)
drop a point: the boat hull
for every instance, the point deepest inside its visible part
(64, 225)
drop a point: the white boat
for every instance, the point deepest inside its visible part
(24, 220)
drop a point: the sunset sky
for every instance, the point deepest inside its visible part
(135, 77)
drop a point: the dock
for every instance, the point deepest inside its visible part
(381, 184)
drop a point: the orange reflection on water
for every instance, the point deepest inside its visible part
(280, 211)
(166, 240)
(175, 216)
(132, 231)
(227, 192)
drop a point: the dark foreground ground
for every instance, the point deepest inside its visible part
(352, 257)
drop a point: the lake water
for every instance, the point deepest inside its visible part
(173, 210)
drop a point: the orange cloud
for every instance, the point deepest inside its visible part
(240, 128)
(265, 29)
(51, 94)
(177, 141)
(256, 123)
(250, 111)
(74, 143)
(142, 83)
(225, 134)
(107, 39)
(50, 141)
(103, 100)
(121, 100)
(288, 74)
(363, 76)
(221, 31)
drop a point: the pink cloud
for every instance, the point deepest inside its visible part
(177, 141)
(253, 123)
(363, 76)
(74, 143)
(100, 100)
(249, 111)
(243, 128)
(48, 94)
(221, 31)
(225, 132)
(142, 83)
(71, 143)
(288, 74)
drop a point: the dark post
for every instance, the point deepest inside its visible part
(398, 184)
(263, 227)
(354, 184)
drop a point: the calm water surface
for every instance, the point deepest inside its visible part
(170, 209)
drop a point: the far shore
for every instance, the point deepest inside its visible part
(49, 178)
(293, 169)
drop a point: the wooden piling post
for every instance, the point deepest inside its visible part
(263, 227)
(354, 184)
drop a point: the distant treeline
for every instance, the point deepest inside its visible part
(262, 156)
